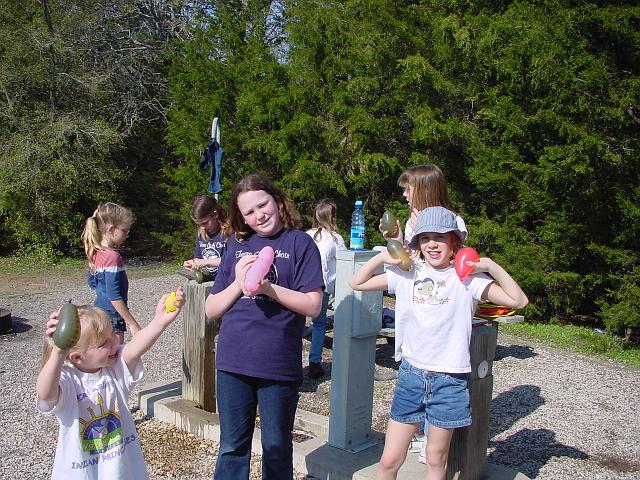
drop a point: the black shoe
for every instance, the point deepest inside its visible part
(315, 370)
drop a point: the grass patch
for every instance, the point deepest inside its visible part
(136, 267)
(577, 339)
(32, 265)
(25, 275)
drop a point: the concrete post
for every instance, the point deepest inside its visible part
(357, 319)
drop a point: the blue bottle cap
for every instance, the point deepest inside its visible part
(358, 203)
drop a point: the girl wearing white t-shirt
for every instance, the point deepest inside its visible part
(87, 387)
(329, 241)
(434, 311)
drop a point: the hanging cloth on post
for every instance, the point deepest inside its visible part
(213, 157)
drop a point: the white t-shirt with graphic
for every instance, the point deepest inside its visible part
(434, 312)
(97, 438)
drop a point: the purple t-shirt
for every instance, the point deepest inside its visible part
(258, 336)
(213, 247)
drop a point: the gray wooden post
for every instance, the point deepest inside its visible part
(468, 452)
(357, 319)
(198, 353)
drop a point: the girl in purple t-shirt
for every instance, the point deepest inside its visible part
(259, 357)
(211, 239)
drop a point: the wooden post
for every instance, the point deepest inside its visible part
(198, 353)
(468, 452)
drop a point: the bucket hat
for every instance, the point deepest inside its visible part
(438, 220)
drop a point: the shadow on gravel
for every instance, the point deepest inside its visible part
(512, 405)
(527, 451)
(310, 385)
(516, 351)
(19, 325)
(385, 355)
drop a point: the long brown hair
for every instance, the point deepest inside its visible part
(97, 224)
(325, 218)
(204, 205)
(429, 186)
(289, 216)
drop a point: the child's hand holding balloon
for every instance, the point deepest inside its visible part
(169, 306)
(464, 255)
(258, 270)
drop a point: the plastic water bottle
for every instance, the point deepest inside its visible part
(357, 228)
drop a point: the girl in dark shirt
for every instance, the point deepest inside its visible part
(259, 357)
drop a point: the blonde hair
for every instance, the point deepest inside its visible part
(429, 186)
(96, 226)
(205, 205)
(93, 323)
(325, 218)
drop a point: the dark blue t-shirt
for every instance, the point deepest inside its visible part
(258, 336)
(213, 247)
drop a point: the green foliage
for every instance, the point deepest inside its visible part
(82, 117)
(620, 309)
(530, 108)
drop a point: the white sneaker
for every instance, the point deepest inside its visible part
(422, 457)
(416, 443)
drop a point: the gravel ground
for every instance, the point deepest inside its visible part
(555, 415)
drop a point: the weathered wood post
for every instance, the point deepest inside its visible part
(198, 353)
(468, 452)
(357, 319)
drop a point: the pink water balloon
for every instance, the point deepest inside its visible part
(465, 254)
(259, 269)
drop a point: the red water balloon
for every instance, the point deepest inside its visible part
(465, 254)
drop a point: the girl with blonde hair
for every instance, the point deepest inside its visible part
(424, 186)
(87, 387)
(104, 232)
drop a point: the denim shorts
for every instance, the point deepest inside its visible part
(118, 323)
(440, 398)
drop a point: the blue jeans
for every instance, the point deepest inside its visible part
(238, 398)
(318, 331)
(442, 398)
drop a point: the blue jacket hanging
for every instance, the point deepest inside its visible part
(213, 156)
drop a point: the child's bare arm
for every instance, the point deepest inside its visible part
(145, 338)
(47, 384)
(504, 291)
(198, 263)
(365, 279)
(218, 304)
(308, 304)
